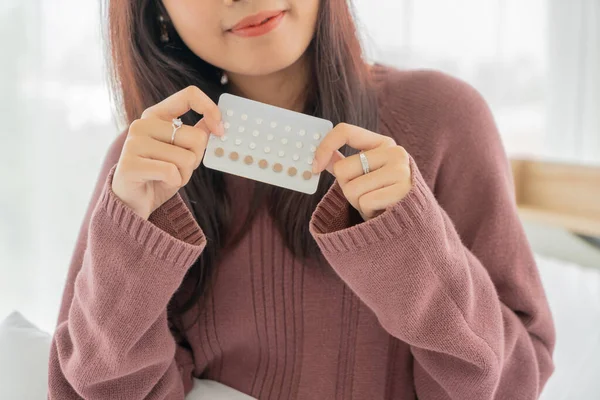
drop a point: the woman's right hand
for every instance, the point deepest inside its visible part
(151, 170)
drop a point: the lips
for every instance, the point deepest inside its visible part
(256, 20)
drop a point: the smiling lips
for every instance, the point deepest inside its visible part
(259, 24)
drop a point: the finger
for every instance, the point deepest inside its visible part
(353, 136)
(374, 202)
(190, 98)
(157, 170)
(381, 178)
(148, 147)
(337, 156)
(188, 137)
(351, 167)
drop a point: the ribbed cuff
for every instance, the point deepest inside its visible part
(170, 234)
(329, 223)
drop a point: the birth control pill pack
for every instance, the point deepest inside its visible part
(267, 144)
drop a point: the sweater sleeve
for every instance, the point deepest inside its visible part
(451, 273)
(113, 339)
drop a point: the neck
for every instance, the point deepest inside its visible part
(286, 88)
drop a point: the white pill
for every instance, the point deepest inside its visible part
(267, 149)
(241, 129)
(299, 145)
(252, 145)
(255, 133)
(226, 125)
(259, 121)
(316, 136)
(313, 148)
(244, 117)
(238, 141)
(223, 138)
(230, 112)
(288, 128)
(295, 157)
(302, 132)
(281, 153)
(269, 137)
(309, 160)
(284, 141)
(273, 124)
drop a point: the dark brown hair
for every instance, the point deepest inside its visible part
(144, 71)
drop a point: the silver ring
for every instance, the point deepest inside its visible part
(364, 162)
(176, 125)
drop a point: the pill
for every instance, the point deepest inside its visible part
(284, 141)
(244, 117)
(238, 141)
(316, 136)
(226, 125)
(292, 171)
(259, 121)
(288, 128)
(234, 156)
(230, 112)
(255, 133)
(277, 167)
(241, 129)
(263, 164)
(219, 152)
(269, 137)
(267, 149)
(295, 157)
(307, 175)
(248, 160)
(273, 124)
(302, 132)
(252, 145)
(299, 145)
(281, 153)
(223, 138)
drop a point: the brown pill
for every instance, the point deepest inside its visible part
(307, 175)
(219, 152)
(234, 156)
(263, 164)
(277, 167)
(248, 160)
(292, 171)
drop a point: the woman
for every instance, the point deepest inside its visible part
(411, 279)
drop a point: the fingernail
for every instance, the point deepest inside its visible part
(221, 129)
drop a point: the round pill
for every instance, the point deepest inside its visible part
(223, 138)
(234, 156)
(267, 149)
(299, 145)
(244, 117)
(307, 175)
(316, 136)
(219, 152)
(292, 171)
(288, 128)
(248, 160)
(230, 112)
(277, 167)
(281, 153)
(273, 124)
(238, 141)
(284, 141)
(313, 148)
(255, 133)
(295, 157)
(309, 160)
(263, 164)
(259, 121)
(302, 132)
(241, 129)
(226, 125)
(269, 137)
(253, 145)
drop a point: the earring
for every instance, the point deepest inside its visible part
(164, 34)
(224, 78)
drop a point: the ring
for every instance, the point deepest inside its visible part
(364, 162)
(176, 125)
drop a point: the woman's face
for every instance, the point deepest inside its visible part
(219, 31)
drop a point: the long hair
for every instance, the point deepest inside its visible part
(144, 71)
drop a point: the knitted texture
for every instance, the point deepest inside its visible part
(438, 297)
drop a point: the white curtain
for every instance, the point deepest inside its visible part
(57, 123)
(574, 80)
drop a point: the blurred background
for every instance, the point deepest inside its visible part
(537, 63)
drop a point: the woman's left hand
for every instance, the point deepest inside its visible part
(389, 179)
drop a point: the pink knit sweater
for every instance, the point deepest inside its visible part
(437, 298)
